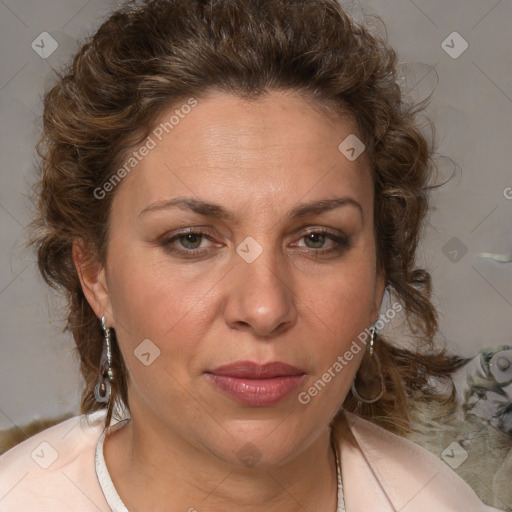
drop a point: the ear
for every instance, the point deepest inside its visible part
(93, 280)
(380, 288)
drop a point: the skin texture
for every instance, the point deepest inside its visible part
(259, 159)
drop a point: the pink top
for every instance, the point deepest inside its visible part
(62, 469)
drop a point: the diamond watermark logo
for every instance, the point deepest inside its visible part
(44, 45)
(454, 250)
(454, 455)
(146, 352)
(454, 45)
(249, 454)
(249, 250)
(352, 147)
(44, 455)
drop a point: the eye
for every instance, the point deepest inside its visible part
(316, 240)
(187, 243)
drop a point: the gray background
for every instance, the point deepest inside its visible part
(471, 108)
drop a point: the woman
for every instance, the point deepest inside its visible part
(228, 188)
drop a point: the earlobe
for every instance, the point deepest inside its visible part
(93, 280)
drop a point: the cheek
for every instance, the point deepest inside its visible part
(169, 311)
(339, 315)
(341, 308)
(152, 299)
(345, 299)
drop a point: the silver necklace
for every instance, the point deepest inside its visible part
(341, 498)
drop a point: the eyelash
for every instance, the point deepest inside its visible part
(342, 243)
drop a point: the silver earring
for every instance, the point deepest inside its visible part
(105, 374)
(374, 374)
(372, 340)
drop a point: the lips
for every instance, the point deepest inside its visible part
(252, 370)
(253, 384)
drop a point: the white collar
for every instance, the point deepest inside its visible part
(106, 484)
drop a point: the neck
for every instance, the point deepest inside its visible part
(152, 468)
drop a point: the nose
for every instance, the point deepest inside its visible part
(260, 298)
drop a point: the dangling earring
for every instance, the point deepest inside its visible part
(105, 373)
(372, 376)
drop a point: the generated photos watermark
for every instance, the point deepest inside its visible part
(343, 360)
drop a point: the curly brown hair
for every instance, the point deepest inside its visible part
(145, 58)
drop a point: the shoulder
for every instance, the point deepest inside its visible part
(54, 469)
(409, 477)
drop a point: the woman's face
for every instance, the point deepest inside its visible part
(274, 271)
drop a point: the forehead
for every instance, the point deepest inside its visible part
(264, 150)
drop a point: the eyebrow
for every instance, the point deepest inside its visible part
(217, 211)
